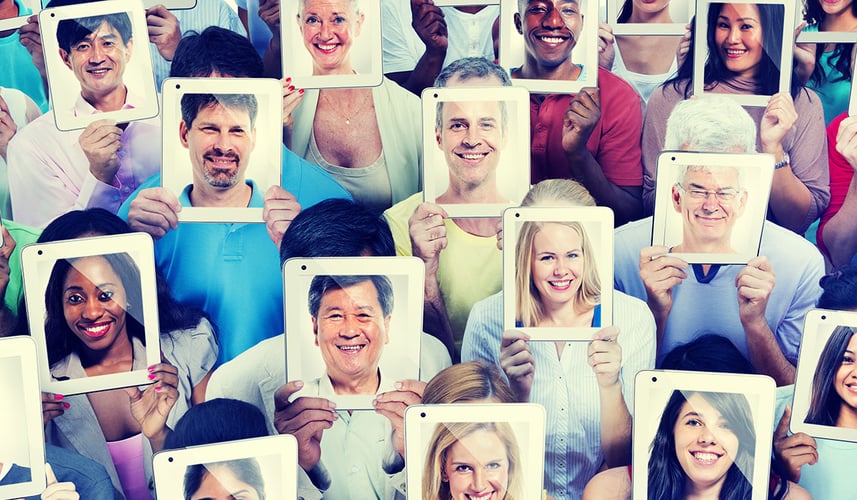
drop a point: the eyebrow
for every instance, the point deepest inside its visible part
(694, 185)
(101, 285)
(367, 307)
(721, 16)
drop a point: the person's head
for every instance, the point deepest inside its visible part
(704, 439)
(91, 303)
(709, 200)
(472, 134)
(839, 289)
(216, 52)
(551, 29)
(816, 10)
(96, 49)
(328, 29)
(745, 41)
(641, 8)
(708, 353)
(472, 460)
(216, 421)
(337, 228)
(219, 131)
(473, 381)
(554, 268)
(229, 480)
(351, 322)
(82, 223)
(710, 123)
(834, 385)
(558, 193)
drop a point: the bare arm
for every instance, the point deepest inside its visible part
(605, 358)
(427, 21)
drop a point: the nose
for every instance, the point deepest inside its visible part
(94, 309)
(710, 202)
(706, 436)
(324, 31)
(350, 326)
(96, 55)
(552, 19)
(223, 142)
(471, 138)
(480, 479)
(734, 35)
(559, 268)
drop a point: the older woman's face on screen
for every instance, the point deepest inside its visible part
(477, 467)
(94, 302)
(220, 483)
(845, 380)
(557, 263)
(704, 443)
(738, 35)
(329, 28)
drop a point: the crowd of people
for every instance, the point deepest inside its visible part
(352, 187)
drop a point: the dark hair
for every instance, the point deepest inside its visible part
(337, 228)
(667, 479)
(625, 11)
(192, 103)
(708, 353)
(172, 315)
(322, 284)
(72, 31)
(246, 470)
(58, 336)
(841, 57)
(215, 421)
(839, 289)
(216, 50)
(825, 403)
(716, 73)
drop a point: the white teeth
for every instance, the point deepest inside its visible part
(552, 39)
(473, 156)
(326, 47)
(560, 284)
(706, 458)
(350, 347)
(735, 51)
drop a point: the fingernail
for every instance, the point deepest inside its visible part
(331, 405)
(151, 376)
(291, 87)
(398, 385)
(288, 79)
(299, 384)
(151, 368)
(301, 91)
(157, 388)
(66, 406)
(58, 397)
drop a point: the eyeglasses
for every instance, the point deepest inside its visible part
(728, 194)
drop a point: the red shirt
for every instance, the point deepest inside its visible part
(840, 179)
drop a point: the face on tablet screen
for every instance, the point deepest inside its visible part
(329, 29)
(705, 441)
(239, 479)
(834, 384)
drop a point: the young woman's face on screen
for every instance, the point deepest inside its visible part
(94, 302)
(704, 443)
(836, 7)
(477, 467)
(738, 35)
(845, 380)
(557, 263)
(220, 483)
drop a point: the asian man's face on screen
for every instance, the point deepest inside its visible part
(471, 140)
(709, 200)
(99, 60)
(220, 140)
(477, 467)
(351, 331)
(551, 29)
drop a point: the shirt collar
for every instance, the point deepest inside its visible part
(83, 108)
(256, 199)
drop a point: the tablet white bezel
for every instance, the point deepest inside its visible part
(170, 465)
(11, 23)
(265, 162)
(602, 246)
(37, 262)
(653, 389)
(513, 171)
(421, 420)
(401, 357)
(666, 220)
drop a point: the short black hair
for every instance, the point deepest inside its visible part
(322, 284)
(840, 289)
(218, 50)
(337, 228)
(708, 353)
(215, 421)
(192, 103)
(72, 31)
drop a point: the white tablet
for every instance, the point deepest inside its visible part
(456, 3)
(88, 297)
(264, 467)
(778, 47)
(710, 207)
(218, 133)
(693, 429)
(852, 99)
(453, 449)
(825, 400)
(329, 44)
(557, 259)
(353, 326)
(680, 13)
(476, 149)
(92, 52)
(22, 455)
(582, 22)
(171, 4)
(25, 9)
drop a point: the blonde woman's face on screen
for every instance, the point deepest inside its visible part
(477, 467)
(557, 264)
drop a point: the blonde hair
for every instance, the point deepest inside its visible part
(563, 191)
(447, 434)
(529, 310)
(471, 381)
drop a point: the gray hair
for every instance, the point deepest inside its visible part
(468, 68)
(710, 123)
(322, 284)
(739, 173)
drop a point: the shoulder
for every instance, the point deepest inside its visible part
(239, 376)
(614, 88)
(634, 232)
(808, 105)
(633, 316)
(398, 93)
(403, 210)
(433, 357)
(789, 252)
(486, 319)
(23, 235)
(308, 182)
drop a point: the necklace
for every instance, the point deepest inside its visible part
(354, 112)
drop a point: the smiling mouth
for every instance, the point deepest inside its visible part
(552, 39)
(96, 330)
(735, 53)
(480, 496)
(560, 284)
(351, 349)
(222, 162)
(705, 457)
(326, 48)
(98, 71)
(472, 156)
